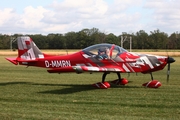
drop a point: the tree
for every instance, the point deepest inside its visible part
(70, 40)
(40, 40)
(86, 37)
(56, 41)
(174, 41)
(5, 41)
(141, 40)
(111, 38)
(158, 39)
(82, 39)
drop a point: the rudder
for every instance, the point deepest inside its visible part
(27, 49)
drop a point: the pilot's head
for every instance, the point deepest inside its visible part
(103, 50)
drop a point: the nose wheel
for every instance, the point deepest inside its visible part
(153, 83)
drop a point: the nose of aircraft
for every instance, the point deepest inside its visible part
(170, 60)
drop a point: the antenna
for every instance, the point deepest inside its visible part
(130, 47)
(125, 39)
(66, 51)
(12, 40)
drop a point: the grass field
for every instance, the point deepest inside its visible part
(32, 93)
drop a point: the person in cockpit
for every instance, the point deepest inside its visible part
(103, 53)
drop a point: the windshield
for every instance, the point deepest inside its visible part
(106, 48)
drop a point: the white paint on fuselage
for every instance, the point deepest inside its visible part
(57, 63)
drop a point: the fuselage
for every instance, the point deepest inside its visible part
(126, 61)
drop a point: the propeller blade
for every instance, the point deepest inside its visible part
(169, 61)
(168, 72)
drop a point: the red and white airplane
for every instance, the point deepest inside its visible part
(105, 58)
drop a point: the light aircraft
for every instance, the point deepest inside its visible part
(105, 58)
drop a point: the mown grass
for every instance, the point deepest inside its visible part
(32, 93)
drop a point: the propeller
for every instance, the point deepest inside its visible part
(169, 61)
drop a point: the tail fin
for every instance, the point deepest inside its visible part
(27, 49)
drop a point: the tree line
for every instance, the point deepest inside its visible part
(86, 37)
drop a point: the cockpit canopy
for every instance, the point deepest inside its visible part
(113, 50)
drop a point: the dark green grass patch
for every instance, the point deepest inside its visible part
(32, 93)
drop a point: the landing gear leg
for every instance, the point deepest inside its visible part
(151, 76)
(120, 81)
(103, 84)
(119, 76)
(104, 77)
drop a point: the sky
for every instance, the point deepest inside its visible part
(109, 16)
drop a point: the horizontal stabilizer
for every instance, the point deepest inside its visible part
(24, 60)
(12, 60)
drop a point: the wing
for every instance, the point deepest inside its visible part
(81, 69)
